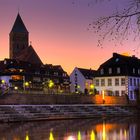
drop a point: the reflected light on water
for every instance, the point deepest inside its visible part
(27, 137)
(51, 136)
(92, 136)
(104, 131)
(79, 135)
(71, 138)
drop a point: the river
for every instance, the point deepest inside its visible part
(116, 128)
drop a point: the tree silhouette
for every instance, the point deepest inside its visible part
(120, 25)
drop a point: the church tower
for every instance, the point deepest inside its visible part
(19, 38)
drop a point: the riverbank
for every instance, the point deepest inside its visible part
(21, 113)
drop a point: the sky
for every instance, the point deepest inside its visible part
(58, 30)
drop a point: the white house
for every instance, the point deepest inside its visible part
(82, 80)
(120, 75)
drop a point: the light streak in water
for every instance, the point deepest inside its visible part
(79, 135)
(51, 136)
(92, 136)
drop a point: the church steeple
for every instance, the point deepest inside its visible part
(19, 37)
(19, 26)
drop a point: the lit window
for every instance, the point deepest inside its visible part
(110, 70)
(122, 81)
(109, 82)
(117, 82)
(102, 82)
(118, 70)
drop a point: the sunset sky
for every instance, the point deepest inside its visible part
(58, 31)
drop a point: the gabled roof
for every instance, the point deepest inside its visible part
(19, 25)
(88, 73)
(29, 55)
(125, 63)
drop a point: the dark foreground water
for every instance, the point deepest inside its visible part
(85, 129)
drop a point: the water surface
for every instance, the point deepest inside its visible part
(85, 129)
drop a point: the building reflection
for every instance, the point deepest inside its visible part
(72, 130)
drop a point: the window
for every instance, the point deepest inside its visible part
(130, 81)
(118, 70)
(122, 81)
(134, 70)
(123, 93)
(116, 93)
(55, 73)
(97, 82)
(131, 95)
(138, 71)
(138, 82)
(102, 71)
(117, 82)
(134, 82)
(110, 70)
(102, 82)
(109, 82)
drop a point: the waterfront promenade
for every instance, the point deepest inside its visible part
(31, 107)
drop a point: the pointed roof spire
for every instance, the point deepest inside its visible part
(19, 25)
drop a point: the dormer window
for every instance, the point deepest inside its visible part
(118, 70)
(110, 70)
(102, 71)
(117, 59)
(138, 71)
(133, 70)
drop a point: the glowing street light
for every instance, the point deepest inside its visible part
(51, 84)
(2, 81)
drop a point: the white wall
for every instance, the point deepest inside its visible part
(6, 79)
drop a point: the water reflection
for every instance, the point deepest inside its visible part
(89, 129)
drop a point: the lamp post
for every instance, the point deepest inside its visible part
(103, 96)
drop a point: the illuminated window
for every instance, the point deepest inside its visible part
(109, 82)
(117, 82)
(110, 70)
(17, 77)
(102, 82)
(122, 81)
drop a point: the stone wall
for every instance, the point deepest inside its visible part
(17, 98)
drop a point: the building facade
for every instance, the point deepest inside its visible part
(119, 76)
(82, 80)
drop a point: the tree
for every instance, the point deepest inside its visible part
(120, 25)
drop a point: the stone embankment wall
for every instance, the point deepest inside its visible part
(37, 99)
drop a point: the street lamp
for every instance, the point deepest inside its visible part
(103, 96)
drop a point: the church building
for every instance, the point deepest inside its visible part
(24, 69)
